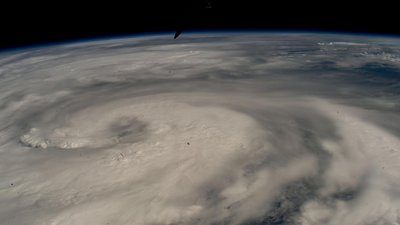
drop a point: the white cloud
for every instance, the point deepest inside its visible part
(124, 132)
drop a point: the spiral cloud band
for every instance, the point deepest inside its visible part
(209, 129)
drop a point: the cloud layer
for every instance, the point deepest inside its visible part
(208, 129)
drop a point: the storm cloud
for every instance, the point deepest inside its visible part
(234, 128)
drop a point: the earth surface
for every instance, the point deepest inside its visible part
(211, 128)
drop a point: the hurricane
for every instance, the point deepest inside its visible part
(211, 128)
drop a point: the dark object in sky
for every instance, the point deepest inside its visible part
(187, 13)
(177, 33)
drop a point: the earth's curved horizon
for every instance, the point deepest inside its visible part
(211, 128)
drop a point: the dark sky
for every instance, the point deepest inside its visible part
(37, 23)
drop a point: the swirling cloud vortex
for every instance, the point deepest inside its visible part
(208, 129)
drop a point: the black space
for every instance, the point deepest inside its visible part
(32, 23)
